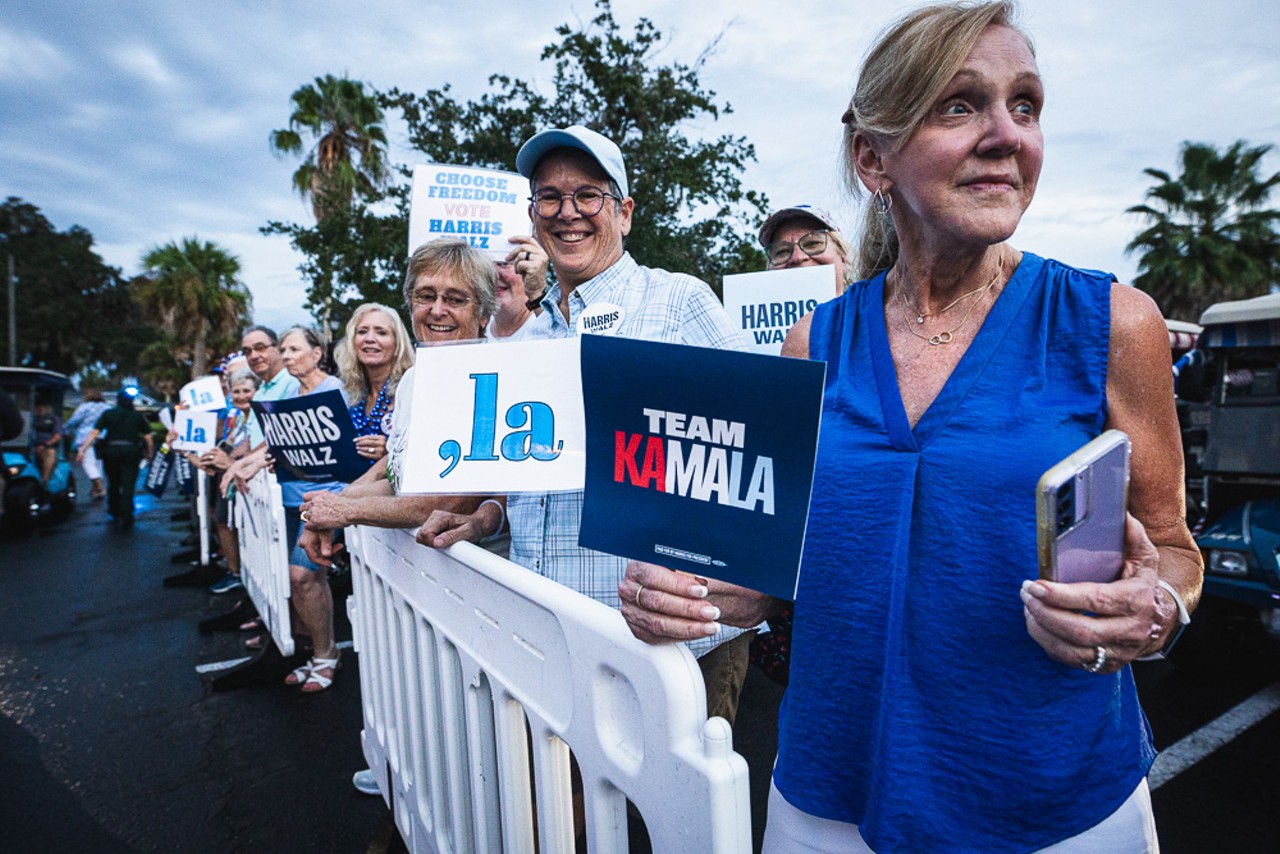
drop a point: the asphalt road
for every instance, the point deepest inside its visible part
(110, 741)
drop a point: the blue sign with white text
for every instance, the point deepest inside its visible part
(700, 460)
(311, 437)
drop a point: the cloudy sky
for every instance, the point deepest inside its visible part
(148, 121)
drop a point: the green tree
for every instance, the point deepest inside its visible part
(1211, 236)
(692, 213)
(345, 169)
(71, 308)
(192, 290)
(350, 257)
(348, 159)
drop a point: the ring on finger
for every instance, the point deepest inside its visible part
(639, 590)
(1099, 660)
(305, 515)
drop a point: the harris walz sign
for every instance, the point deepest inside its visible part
(311, 437)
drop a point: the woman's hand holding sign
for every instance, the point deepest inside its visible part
(660, 604)
(531, 263)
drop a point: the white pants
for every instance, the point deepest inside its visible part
(91, 464)
(1131, 829)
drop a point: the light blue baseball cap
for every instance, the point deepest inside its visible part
(601, 149)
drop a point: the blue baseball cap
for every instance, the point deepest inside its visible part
(602, 150)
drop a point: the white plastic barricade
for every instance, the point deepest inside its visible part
(202, 515)
(264, 555)
(468, 660)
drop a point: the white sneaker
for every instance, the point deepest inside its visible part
(366, 783)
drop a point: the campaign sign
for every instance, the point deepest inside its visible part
(481, 206)
(496, 419)
(204, 394)
(197, 431)
(700, 460)
(159, 471)
(311, 437)
(764, 306)
(184, 474)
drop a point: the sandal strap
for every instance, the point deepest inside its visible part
(314, 678)
(323, 664)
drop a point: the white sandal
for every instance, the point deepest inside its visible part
(314, 677)
(299, 675)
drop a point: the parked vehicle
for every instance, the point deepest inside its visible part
(1229, 399)
(27, 498)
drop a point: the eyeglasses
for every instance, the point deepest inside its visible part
(811, 244)
(587, 201)
(256, 348)
(425, 298)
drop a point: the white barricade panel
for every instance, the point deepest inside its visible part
(264, 555)
(202, 515)
(478, 679)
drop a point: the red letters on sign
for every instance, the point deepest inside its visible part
(649, 473)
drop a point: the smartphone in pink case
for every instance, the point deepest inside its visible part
(1080, 512)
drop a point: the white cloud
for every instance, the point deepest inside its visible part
(26, 57)
(142, 63)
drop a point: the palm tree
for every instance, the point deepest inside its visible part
(193, 291)
(349, 156)
(1211, 236)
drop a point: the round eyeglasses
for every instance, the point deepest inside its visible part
(811, 244)
(587, 201)
(428, 297)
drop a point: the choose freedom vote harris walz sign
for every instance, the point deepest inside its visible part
(483, 207)
(700, 460)
(311, 437)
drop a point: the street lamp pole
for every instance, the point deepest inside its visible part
(13, 319)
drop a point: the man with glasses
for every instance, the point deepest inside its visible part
(261, 347)
(805, 236)
(582, 212)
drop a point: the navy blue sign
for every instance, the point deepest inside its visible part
(311, 437)
(159, 472)
(700, 460)
(184, 474)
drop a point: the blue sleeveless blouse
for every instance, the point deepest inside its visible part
(919, 707)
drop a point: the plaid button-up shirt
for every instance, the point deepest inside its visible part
(655, 306)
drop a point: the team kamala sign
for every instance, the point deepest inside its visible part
(697, 459)
(700, 460)
(311, 437)
(764, 306)
(481, 206)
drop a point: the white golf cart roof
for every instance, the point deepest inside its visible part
(1265, 307)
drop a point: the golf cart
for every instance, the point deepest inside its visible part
(27, 498)
(1229, 398)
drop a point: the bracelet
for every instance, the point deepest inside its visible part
(1184, 617)
(502, 515)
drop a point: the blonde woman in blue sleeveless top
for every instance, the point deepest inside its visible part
(941, 697)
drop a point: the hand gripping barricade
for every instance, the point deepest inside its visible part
(467, 660)
(264, 555)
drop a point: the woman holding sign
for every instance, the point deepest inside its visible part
(302, 350)
(450, 290)
(942, 696)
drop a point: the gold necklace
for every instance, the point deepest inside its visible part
(947, 336)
